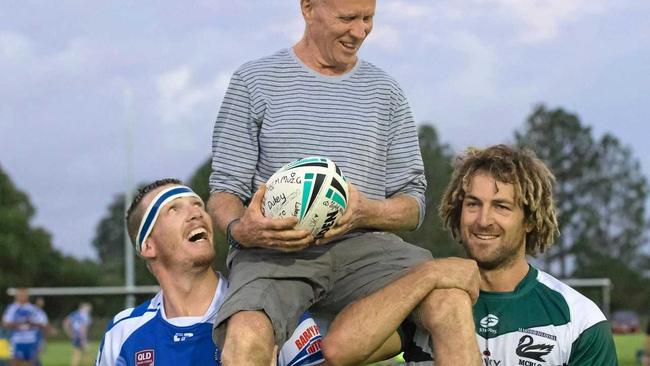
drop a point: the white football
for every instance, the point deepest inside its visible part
(312, 189)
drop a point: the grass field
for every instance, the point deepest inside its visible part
(58, 352)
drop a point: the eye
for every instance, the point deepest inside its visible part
(347, 19)
(503, 207)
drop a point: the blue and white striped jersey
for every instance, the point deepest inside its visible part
(142, 336)
(29, 319)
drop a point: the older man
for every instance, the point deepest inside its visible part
(318, 99)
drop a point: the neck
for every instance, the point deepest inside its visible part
(504, 279)
(310, 55)
(187, 294)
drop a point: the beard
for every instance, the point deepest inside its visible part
(502, 256)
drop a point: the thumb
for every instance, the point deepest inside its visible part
(258, 197)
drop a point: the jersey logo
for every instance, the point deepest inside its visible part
(180, 337)
(144, 358)
(489, 321)
(527, 349)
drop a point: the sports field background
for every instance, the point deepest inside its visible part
(58, 352)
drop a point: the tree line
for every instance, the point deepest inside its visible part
(601, 196)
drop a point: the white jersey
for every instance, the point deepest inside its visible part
(543, 322)
(143, 335)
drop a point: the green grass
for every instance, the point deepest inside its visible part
(58, 352)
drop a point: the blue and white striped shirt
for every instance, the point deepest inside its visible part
(277, 110)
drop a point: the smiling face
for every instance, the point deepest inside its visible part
(182, 233)
(492, 223)
(335, 31)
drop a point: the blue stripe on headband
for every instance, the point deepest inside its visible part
(152, 211)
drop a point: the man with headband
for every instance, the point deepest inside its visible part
(172, 232)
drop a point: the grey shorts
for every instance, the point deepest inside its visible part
(285, 285)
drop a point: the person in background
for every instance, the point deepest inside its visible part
(24, 320)
(44, 332)
(76, 326)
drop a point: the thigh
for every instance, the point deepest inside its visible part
(365, 264)
(282, 285)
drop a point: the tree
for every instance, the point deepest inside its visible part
(600, 191)
(437, 159)
(109, 243)
(27, 257)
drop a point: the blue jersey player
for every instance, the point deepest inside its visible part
(172, 232)
(25, 321)
(76, 326)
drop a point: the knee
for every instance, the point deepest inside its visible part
(336, 352)
(445, 306)
(249, 339)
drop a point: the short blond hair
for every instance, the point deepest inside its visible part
(533, 184)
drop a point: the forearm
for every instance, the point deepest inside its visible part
(398, 213)
(223, 208)
(363, 327)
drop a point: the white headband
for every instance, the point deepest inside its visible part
(150, 216)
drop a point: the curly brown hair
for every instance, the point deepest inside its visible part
(533, 185)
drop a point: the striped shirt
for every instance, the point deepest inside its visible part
(277, 110)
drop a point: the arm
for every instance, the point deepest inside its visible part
(363, 327)
(595, 346)
(403, 208)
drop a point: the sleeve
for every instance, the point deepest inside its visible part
(304, 346)
(107, 355)
(404, 168)
(235, 142)
(8, 315)
(595, 346)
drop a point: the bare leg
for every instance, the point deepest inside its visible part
(249, 340)
(447, 315)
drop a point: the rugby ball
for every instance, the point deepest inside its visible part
(312, 189)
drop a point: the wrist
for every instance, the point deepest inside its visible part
(230, 235)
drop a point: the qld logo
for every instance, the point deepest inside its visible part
(489, 321)
(144, 358)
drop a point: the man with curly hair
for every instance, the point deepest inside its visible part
(500, 206)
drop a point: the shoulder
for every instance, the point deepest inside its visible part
(369, 71)
(123, 326)
(584, 313)
(127, 321)
(275, 63)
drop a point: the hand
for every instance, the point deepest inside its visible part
(456, 273)
(353, 217)
(256, 230)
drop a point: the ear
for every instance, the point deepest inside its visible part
(307, 9)
(148, 249)
(530, 225)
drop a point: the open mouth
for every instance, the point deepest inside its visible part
(197, 234)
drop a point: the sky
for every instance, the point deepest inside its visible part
(79, 79)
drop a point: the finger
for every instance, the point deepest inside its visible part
(286, 223)
(288, 235)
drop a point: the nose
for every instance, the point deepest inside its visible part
(360, 29)
(195, 213)
(484, 218)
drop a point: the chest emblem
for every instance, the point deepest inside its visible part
(528, 349)
(144, 358)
